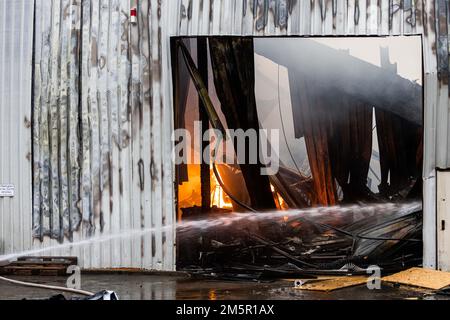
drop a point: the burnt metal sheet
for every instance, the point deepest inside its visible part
(293, 17)
(102, 165)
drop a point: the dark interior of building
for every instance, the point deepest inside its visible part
(325, 216)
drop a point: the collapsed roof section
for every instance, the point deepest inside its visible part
(332, 73)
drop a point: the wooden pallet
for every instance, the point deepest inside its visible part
(419, 277)
(39, 266)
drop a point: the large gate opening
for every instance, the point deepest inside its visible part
(298, 154)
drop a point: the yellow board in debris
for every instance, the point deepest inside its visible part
(333, 284)
(423, 278)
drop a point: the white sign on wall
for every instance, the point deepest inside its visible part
(7, 190)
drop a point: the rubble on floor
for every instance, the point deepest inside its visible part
(316, 243)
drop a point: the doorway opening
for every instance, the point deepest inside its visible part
(298, 154)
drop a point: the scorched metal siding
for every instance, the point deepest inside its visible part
(101, 134)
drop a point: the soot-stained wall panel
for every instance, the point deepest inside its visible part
(101, 166)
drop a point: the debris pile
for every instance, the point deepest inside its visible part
(336, 240)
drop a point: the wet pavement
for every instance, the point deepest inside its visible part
(170, 287)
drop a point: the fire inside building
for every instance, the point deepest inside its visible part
(346, 114)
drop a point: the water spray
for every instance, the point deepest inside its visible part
(226, 221)
(254, 216)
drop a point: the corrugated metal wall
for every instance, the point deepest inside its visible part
(16, 34)
(103, 107)
(102, 154)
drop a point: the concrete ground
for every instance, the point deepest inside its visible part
(170, 287)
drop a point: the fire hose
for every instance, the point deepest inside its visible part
(47, 287)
